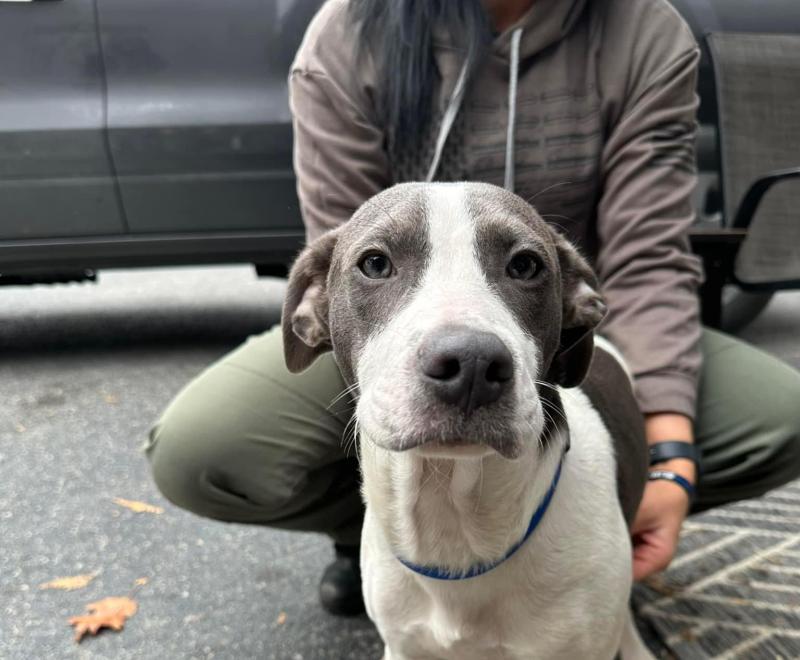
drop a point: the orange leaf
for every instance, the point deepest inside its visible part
(107, 613)
(138, 507)
(281, 619)
(69, 583)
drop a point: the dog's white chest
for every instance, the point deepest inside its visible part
(509, 628)
(563, 595)
(515, 612)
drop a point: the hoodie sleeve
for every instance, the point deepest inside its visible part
(339, 155)
(649, 275)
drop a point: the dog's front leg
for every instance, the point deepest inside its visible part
(632, 646)
(388, 654)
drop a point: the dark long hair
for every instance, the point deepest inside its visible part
(399, 35)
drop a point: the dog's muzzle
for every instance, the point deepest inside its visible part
(465, 368)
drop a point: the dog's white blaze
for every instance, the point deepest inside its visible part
(454, 283)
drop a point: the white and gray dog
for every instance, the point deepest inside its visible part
(498, 502)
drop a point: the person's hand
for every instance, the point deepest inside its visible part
(658, 522)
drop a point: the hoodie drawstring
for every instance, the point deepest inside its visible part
(449, 117)
(513, 76)
(454, 105)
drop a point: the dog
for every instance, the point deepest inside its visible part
(498, 492)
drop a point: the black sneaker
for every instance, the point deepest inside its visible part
(340, 587)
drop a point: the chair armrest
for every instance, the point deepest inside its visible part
(756, 192)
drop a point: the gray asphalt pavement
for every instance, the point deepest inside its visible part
(85, 369)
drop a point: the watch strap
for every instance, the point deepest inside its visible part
(677, 479)
(661, 452)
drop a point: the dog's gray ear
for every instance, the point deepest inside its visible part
(304, 320)
(582, 310)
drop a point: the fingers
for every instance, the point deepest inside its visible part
(657, 527)
(649, 558)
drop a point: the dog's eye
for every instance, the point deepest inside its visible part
(523, 266)
(376, 266)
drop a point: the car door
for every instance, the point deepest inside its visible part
(199, 123)
(55, 174)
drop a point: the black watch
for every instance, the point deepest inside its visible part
(661, 452)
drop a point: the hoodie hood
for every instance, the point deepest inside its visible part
(546, 22)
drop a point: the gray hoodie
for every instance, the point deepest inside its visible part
(584, 107)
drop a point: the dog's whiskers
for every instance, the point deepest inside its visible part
(537, 433)
(440, 477)
(560, 227)
(549, 409)
(345, 392)
(480, 486)
(556, 215)
(544, 190)
(551, 422)
(373, 202)
(431, 474)
(554, 388)
(350, 442)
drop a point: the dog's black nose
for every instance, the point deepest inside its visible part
(466, 368)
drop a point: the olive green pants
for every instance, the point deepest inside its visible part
(249, 442)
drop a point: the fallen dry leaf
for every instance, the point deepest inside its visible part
(140, 582)
(111, 399)
(281, 619)
(107, 613)
(69, 583)
(138, 507)
(20, 428)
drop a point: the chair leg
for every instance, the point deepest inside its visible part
(711, 291)
(717, 249)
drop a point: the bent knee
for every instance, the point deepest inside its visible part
(786, 433)
(180, 464)
(200, 469)
(781, 414)
(775, 457)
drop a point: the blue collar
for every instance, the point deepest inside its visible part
(442, 574)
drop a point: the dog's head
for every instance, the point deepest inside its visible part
(453, 307)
